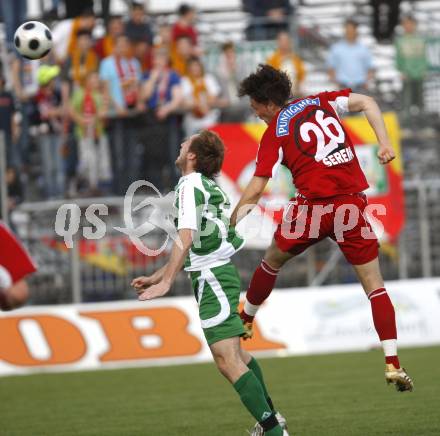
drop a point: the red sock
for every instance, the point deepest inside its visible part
(394, 360)
(260, 287)
(384, 319)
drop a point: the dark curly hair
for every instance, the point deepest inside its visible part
(266, 85)
(210, 151)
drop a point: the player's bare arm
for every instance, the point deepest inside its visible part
(366, 104)
(174, 265)
(251, 195)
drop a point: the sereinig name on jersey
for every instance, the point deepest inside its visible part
(339, 157)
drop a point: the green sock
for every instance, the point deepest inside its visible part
(255, 367)
(252, 396)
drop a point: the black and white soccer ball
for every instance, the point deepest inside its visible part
(33, 40)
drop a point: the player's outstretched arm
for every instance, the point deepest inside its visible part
(366, 104)
(178, 254)
(249, 199)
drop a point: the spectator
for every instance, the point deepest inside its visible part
(285, 59)
(412, 64)
(104, 46)
(74, 8)
(48, 127)
(349, 61)
(83, 61)
(184, 26)
(88, 109)
(163, 96)
(121, 73)
(13, 14)
(268, 18)
(25, 86)
(138, 27)
(14, 189)
(142, 52)
(201, 98)
(230, 73)
(65, 34)
(164, 38)
(8, 126)
(161, 89)
(181, 54)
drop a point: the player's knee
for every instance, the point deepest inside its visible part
(222, 366)
(274, 257)
(245, 356)
(370, 276)
(228, 365)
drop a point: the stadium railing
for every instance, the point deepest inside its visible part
(101, 270)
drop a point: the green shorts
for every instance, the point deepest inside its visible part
(217, 290)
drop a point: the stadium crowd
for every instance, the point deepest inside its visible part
(101, 112)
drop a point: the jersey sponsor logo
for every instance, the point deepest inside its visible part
(287, 114)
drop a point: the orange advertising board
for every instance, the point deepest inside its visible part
(94, 335)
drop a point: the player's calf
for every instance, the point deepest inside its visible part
(228, 359)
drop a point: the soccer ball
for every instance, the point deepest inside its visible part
(33, 40)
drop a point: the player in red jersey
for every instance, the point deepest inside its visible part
(15, 265)
(307, 137)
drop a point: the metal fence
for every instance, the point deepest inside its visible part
(101, 270)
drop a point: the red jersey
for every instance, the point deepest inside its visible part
(13, 256)
(307, 137)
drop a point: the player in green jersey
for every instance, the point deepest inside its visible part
(206, 244)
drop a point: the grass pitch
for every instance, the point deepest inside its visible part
(340, 394)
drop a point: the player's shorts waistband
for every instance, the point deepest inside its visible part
(339, 197)
(208, 266)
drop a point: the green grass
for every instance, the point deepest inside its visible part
(340, 394)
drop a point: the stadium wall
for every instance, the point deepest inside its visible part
(167, 331)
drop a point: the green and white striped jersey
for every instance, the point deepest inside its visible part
(201, 206)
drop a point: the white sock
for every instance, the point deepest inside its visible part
(250, 309)
(390, 347)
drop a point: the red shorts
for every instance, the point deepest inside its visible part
(341, 218)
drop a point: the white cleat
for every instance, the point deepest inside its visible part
(258, 430)
(282, 421)
(399, 378)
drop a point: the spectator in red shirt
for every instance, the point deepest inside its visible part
(184, 26)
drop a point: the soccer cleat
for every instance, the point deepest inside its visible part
(258, 430)
(248, 331)
(281, 420)
(398, 377)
